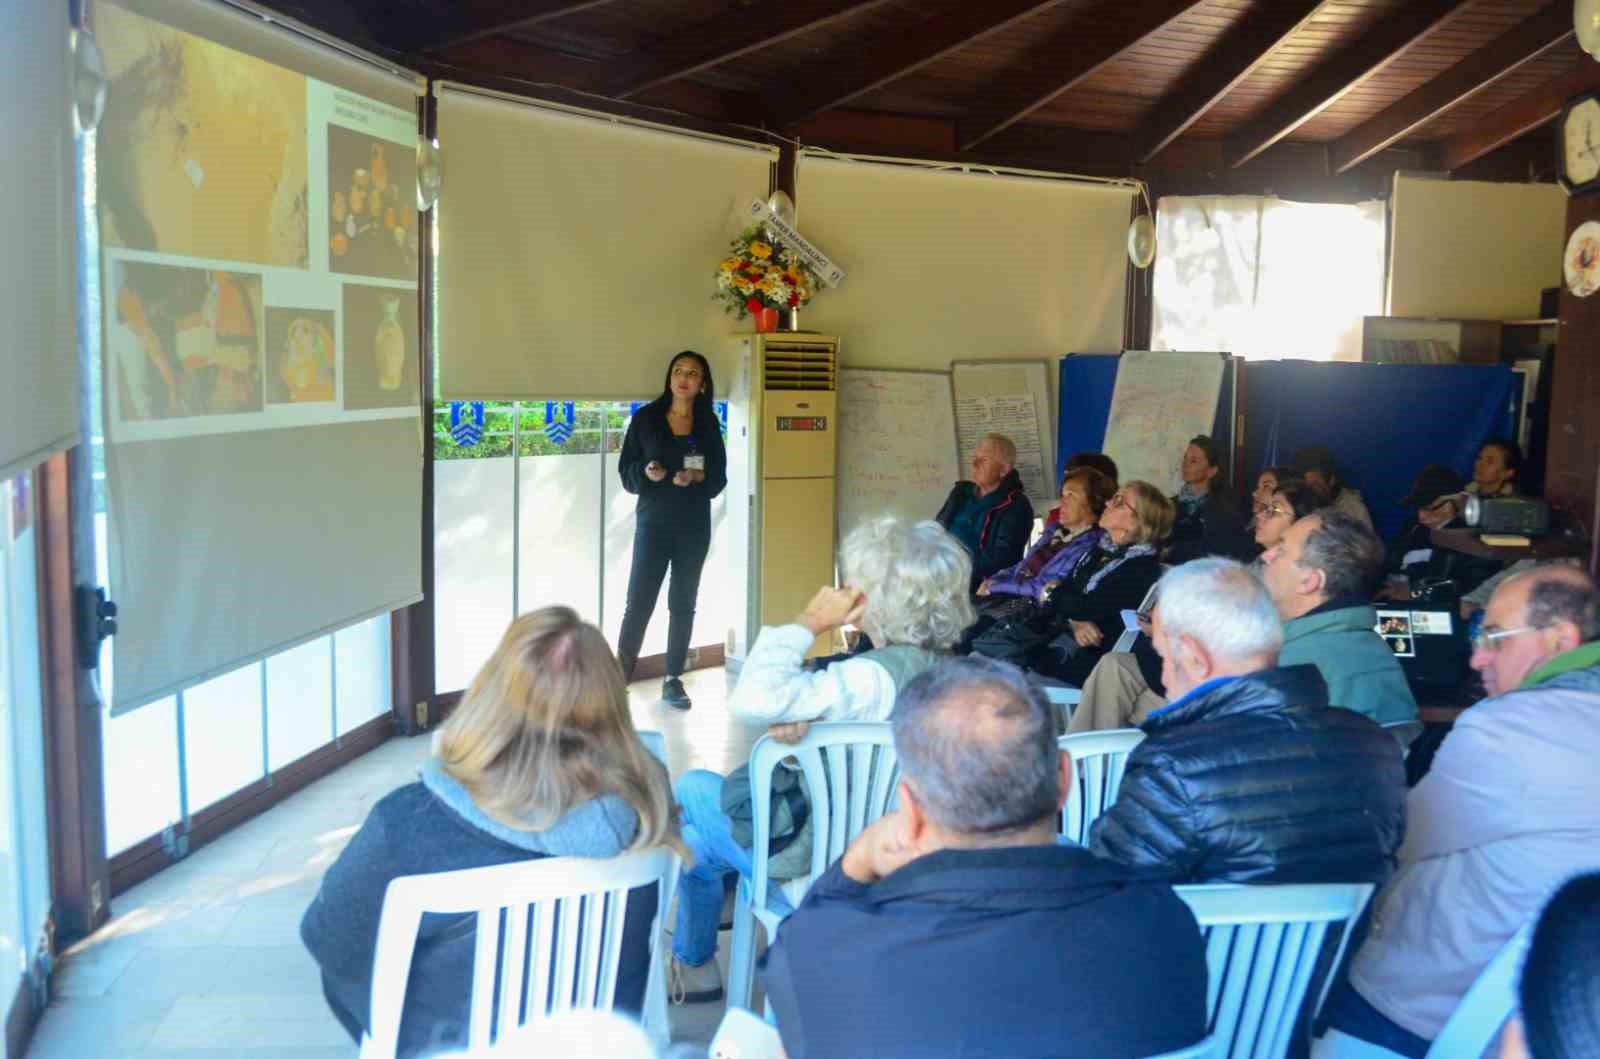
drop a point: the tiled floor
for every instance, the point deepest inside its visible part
(205, 958)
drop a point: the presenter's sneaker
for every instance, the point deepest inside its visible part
(694, 985)
(673, 695)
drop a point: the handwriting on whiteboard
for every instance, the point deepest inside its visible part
(1017, 418)
(897, 445)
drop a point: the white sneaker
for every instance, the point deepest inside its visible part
(694, 985)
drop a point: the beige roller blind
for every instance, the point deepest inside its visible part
(576, 254)
(946, 265)
(1464, 248)
(256, 196)
(38, 342)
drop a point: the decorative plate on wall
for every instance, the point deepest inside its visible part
(1581, 262)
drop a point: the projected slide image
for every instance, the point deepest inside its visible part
(202, 149)
(380, 347)
(302, 365)
(183, 341)
(372, 205)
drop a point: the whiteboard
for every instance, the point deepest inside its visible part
(1161, 401)
(1010, 397)
(897, 445)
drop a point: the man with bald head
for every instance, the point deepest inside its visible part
(990, 514)
(959, 925)
(1507, 813)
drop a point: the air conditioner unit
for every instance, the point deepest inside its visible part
(783, 433)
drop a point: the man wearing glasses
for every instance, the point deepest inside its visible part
(1508, 812)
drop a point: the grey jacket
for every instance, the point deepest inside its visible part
(1508, 812)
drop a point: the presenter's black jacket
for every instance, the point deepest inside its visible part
(1006, 528)
(650, 438)
(1256, 779)
(1215, 528)
(1021, 952)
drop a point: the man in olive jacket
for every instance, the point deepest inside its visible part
(1319, 576)
(1248, 775)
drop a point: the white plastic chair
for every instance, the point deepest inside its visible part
(1473, 1026)
(549, 936)
(854, 788)
(1262, 944)
(1098, 760)
(1404, 731)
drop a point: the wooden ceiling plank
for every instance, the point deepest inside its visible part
(1237, 56)
(696, 50)
(903, 52)
(1520, 116)
(1390, 39)
(1550, 27)
(472, 20)
(1047, 77)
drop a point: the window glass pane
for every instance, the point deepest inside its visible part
(222, 735)
(299, 701)
(559, 506)
(472, 516)
(141, 773)
(28, 750)
(362, 672)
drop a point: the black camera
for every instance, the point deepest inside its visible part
(1521, 515)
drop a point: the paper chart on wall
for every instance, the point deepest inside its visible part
(1161, 401)
(1015, 416)
(897, 445)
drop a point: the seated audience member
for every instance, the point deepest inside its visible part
(1320, 576)
(1080, 618)
(1321, 472)
(1098, 460)
(963, 899)
(1206, 521)
(1123, 690)
(1070, 532)
(1494, 473)
(1506, 814)
(1248, 775)
(1414, 560)
(1267, 483)
(540, 759)
(906, 586)
(1559, 990)
(990, 515)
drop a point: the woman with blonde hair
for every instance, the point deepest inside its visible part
(906, 586)
(540, 759)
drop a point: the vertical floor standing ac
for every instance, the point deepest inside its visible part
(783, 432)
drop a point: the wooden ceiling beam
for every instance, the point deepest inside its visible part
(1392, 38)
(1520, 116)
(471, 20)
(1549, 28)
(903, 52)
(698, 49)
(1068, 57)
(1239, 53)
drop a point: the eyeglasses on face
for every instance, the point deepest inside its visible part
(1276, 511)
(1491, 639)
(1118, 500)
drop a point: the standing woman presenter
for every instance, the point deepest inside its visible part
(673, 458)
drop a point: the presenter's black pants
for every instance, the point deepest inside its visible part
(658, 546)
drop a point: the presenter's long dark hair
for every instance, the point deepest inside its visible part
(704, 408)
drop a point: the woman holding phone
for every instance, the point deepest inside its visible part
(674, 460)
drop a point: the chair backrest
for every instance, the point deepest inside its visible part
(851, 770)
(1404, 731)
(1488, 1004)
(1262, 944)
(549, 938)
(1098, 759)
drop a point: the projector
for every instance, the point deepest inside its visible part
(1519, 515)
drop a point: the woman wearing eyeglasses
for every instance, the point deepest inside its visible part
(1290, 500)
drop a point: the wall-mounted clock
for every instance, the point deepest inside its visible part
(1578, 164)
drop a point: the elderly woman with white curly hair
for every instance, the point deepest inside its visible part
(906, 586)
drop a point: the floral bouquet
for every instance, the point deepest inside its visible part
(761, 274)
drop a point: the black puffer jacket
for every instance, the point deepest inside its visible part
(1259, 780)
